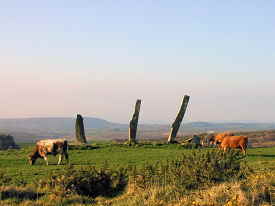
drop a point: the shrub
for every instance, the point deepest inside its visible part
(90, 182)
(4, 178)
(198, 169)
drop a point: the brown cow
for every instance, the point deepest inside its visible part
(215, 139)
(234, 142)
(50, 146)
(220, 136)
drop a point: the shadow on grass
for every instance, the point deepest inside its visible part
(83, 200)
(262, 155)
(84, 164)
(83, 147)
(19, 194)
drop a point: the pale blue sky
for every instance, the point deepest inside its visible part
(97, 57)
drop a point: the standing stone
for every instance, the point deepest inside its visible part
(134, 123)
(79, 130)
(7, 142)
(176, 125)
(196, 140)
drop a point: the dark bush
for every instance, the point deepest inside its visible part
(19, 194)
(90, 181)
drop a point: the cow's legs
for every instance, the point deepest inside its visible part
(243, 150)
(46, 159)
(60, 159)
(66, 157)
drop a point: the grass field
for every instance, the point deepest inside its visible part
(14, 162)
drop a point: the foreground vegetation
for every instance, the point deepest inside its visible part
(147, 174)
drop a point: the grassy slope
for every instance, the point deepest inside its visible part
(14, 162)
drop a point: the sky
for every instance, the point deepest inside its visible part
(60, 58)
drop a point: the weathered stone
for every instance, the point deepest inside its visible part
(134, 123)
(192, 142)
(196, 140)
(7, 142)
(176, 125)
(79, 130)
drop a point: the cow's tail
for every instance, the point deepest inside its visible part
(244, 145)
(245, 141)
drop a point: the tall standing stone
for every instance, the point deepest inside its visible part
(7, 142)
(79, 130)
(176, 125)
(134, 123)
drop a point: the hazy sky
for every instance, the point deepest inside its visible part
(97, 57)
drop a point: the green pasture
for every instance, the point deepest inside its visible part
(14, 162)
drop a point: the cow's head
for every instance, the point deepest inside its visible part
(219, 137)
(33, 156)
(31, 159)
(217, 141)
(211, 139)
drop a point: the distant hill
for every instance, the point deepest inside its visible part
(36, 128)
(235, 126)
(32, 129)
(58, 123)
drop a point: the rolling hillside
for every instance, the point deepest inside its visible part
(31, 129)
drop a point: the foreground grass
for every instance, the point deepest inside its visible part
(254, 191)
